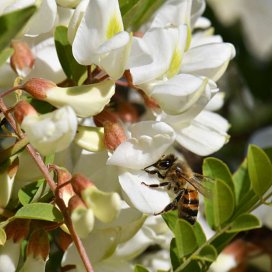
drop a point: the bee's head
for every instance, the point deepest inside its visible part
(164, 163)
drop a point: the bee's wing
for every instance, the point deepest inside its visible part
(202, 184)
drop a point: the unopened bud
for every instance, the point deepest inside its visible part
(64, 186)
(17, 230)
(80, 183)
(38, 87)
(22, 59)
(38, 245)
(104, 116)
(23, 109)
(81, 216)
(114, 134)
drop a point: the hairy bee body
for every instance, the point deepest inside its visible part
(179, 178)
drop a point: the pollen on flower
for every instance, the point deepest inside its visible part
(114, 26)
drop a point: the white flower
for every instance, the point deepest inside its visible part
(51, 132)
(147, 143)
(101, 39)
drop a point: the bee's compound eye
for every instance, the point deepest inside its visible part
(164, 164)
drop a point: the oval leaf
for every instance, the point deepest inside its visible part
(170, 219)
(216, 169)
(221, 206)
(185, 238)
(3, 237)
(245, 222)
(207, 254)
(199, 233)
(40, 211)
(175, 260)
(259, 169)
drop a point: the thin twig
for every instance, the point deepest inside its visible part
(10, 90)
(40, 163)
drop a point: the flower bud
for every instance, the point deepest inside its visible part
(22, 59)
(105, 206)
(103, 116)
(86, 100)
(82, 218)
(114, 134)
(51, 132)
(23, 109)
(64, 186)
(38, 87)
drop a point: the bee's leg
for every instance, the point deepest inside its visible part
(173, 205)
(153, 172)
(156, 185)
(170, 207)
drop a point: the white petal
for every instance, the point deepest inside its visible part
(76, 19)
(93, 165)
(9, 256)
(205, 135)
(113, 265)
(47, 64)
(210, 60)
(114, 54)
(179, 93)
(48, 10)
(162, 45)
(102, 18)
(216, 102)
(172, 13)
(86, 100)
(51, 132)
(149, 140)
(184, 119)
(223, 263)
(33, 264)
(146, 200)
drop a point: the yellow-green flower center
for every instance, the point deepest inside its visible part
(115, 25)
(175, 63)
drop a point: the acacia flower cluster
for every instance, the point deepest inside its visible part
(141, 93)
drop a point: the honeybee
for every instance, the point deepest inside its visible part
(186, 184)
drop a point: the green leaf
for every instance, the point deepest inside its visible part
(174, 256)
(140, 268)
(207, 254)
(216, 169)
(5, 54)
(27, 192)
(259, 169)
(185, 238)
(71, 67)
(245, 222)
(11, 24)
(199, 233)
(138, 12)
(221, 206)
(3, 237)
(40, 211)
(170, 219)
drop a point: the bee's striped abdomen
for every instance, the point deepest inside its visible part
(188, 206)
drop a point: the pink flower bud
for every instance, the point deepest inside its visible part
(103, 116)
(23, 109)
(22, 59)
(114, 134)
(80, 183)
(38, 87)
(74, 203)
